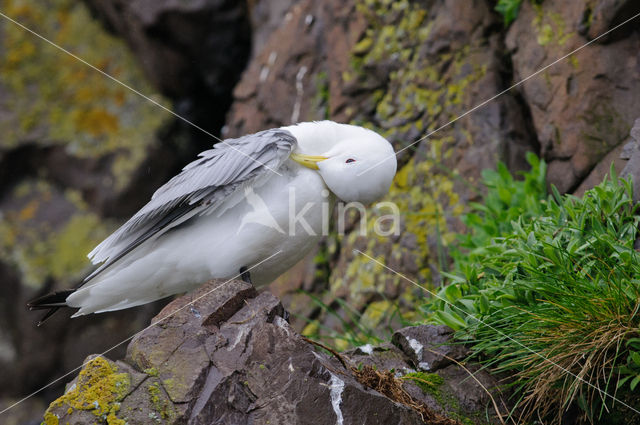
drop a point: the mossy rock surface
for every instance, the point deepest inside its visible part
(98, 391)
(414, 74)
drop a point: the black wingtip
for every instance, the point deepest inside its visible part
(54, 299)
(47, 315)
(53, 302)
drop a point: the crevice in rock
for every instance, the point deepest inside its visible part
(522, 112)
(231, 307)
(624, 11)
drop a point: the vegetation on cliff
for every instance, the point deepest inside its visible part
(546, 289)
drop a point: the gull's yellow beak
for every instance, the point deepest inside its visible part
(309, 161)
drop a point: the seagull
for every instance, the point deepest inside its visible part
(226, 214)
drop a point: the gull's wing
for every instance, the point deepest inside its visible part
(203, 185)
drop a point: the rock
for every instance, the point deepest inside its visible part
(582, 107)
(266, 16)
(429, 347)
(632, 167)
(405, 69)
(602, 169)
(471, 390)
(628, 152)
(606, 15)
(381, 357)
(225, 354)
(80, 153)
(29, 412)
(230, 357)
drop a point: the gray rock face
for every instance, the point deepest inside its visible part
(226, 355)
(632, 154)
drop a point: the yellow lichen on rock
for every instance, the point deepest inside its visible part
(422, 91)
(54, 97)
(550, 27)
(98, 389)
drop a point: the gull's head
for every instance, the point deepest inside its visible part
(358, 164)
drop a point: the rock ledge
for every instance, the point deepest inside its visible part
(226, 355)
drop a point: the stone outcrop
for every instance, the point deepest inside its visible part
(192, 51)
(412, 68)
(71, 158)
(226, 355)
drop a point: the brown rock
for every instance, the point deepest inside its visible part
(404, 71)
(584, 106)
(249, 367)
(607, 14)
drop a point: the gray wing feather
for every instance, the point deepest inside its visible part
(201, 186)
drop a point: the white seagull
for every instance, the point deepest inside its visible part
(230, 210)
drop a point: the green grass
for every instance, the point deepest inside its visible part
(547, 289)
(508, 9)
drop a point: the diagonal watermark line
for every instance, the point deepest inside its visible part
(114, 79)
(500, 332)
(480, 105)
(137, 333)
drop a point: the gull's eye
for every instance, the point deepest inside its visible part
(350, 160)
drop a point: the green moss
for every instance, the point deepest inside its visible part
(550, 27)
(169, 384)
(311, 329)
(49, 95)
(508, 9)
(363, 46)
(151, 371)
(99, 389)
(163, 408)
(374, 314)
(429, 383)
(432, 384)
(321, 99)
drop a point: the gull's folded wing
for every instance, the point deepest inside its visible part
(202, 186)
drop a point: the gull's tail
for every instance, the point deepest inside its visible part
(53, 302)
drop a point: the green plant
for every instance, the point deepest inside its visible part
(547, 289)
(352, 330)
(508, 9)
(507, 200)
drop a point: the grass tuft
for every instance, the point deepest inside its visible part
(547, 289)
